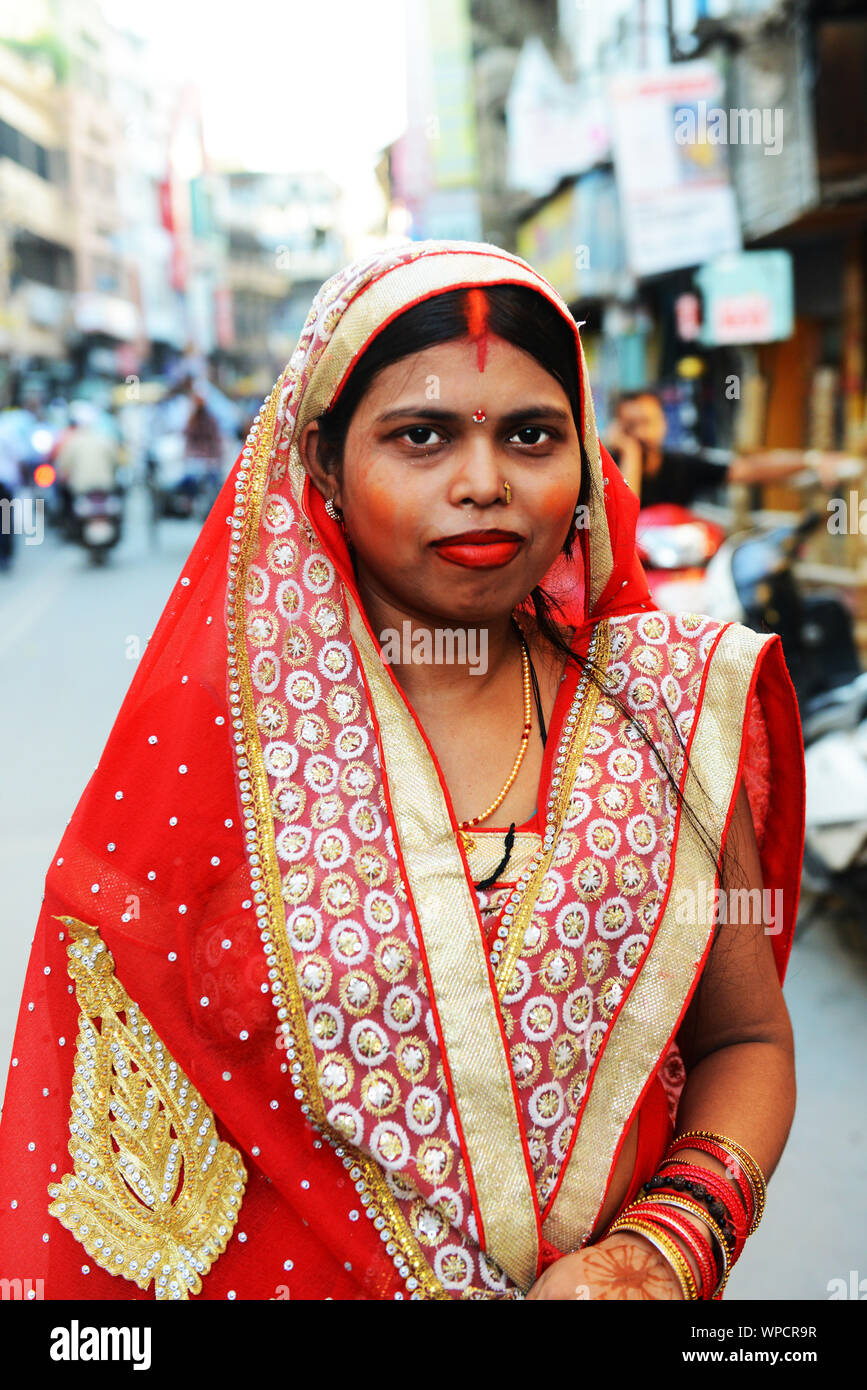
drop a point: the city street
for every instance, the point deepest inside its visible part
(64, 636)
(65, 631)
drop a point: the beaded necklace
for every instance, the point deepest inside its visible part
(466, 825)
(545, 850)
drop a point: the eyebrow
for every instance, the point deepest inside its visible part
(452, 417)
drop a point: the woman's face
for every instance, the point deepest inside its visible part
(422, 485)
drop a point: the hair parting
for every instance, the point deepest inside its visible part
(477, 323)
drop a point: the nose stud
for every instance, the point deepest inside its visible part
(508, 492)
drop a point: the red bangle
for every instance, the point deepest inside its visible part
(754, 1175)
(698, 1244)
(734, 1170)
(684, 1178)
(721, 1190)
(707, 1223)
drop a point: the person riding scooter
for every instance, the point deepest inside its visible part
(87, 459)
(87, 462)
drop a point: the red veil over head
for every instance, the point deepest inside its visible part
(242, 810)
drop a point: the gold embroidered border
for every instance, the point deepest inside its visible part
(486, 850)
(261, 804)
(601, 557)
(154, 1195)
(574, 756)
(388, 1211)
(458, 963)
(649, 1016)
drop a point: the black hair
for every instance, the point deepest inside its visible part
(525, 318)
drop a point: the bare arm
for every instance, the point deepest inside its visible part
(736, 1039)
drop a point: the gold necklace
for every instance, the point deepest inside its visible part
(525, 739)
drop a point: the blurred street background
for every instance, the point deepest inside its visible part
(690, 175)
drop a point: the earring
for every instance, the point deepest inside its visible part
(332, 510)
(508, 492)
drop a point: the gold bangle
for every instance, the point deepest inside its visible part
(684, 1204)
(670, 1251)
(668, 1248)
(745, 1161)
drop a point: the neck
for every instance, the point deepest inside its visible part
(436, 659)
(652, 462)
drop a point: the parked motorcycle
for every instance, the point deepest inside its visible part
(750, 580)
(674, 547)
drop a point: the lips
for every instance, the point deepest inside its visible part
(485, 549)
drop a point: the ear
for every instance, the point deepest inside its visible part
(308, 447)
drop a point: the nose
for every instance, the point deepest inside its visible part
(477, 478)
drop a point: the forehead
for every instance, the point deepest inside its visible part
(452, 368)
(641, 405)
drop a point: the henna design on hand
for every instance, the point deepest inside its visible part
(629, 1271)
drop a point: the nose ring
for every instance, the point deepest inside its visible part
(508, 492)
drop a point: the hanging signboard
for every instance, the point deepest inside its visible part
(670, 134)
(748, 298)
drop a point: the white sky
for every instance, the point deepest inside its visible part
(287, 84)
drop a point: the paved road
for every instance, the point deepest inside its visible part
(64, 631)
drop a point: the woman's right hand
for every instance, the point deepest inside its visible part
(618, 1267)
(629, 456)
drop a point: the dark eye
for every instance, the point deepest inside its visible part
(530, 434)
(420, 434)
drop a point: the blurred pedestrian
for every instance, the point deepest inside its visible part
(203, 447)
(654, 471)
(657, 473)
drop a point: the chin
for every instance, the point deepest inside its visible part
(473, 609)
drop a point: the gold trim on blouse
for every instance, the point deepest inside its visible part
(649, 1017)
(487, 847)
(475, 1052)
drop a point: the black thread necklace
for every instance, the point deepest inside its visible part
(510, 833)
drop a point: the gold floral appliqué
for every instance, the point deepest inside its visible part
(154, 1195)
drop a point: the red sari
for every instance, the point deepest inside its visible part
(270, 1038)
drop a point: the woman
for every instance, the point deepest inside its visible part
(485, 950)
(203, 451)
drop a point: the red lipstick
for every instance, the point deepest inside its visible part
(485, 549)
